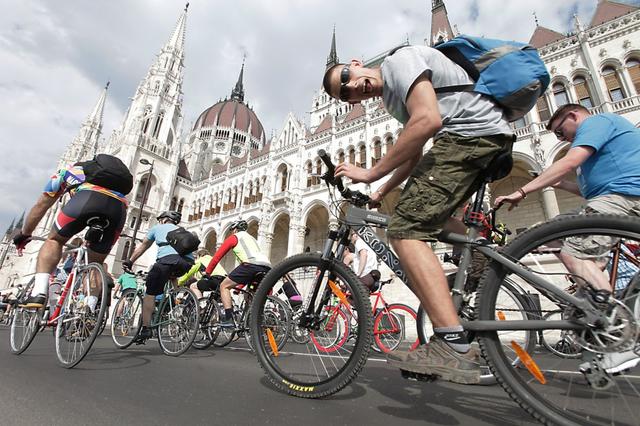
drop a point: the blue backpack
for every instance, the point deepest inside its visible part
(511, 73)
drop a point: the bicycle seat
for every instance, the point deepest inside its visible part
(500, 167)
(98, 222)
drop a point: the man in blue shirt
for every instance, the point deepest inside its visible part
(605, 155)
(169, 264)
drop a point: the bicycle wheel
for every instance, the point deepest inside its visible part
(554, 389)
(78, 324)
(333, 330)
(208, 328)
(104, 322)
(178, 321)
(127, 319)
(395, 326)
(277, 320)
(298, 334)
(304, 370)
(25, 326)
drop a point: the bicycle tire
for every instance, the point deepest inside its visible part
(386, 317)
(126, 325)
(104, 323)
(279, 323)
(341, 367)
(24, 328)
(536, 398)
(86, 323)
(179, 322)
(208, 332)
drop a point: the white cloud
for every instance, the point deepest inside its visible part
(57, 56)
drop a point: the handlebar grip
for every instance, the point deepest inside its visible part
(331, 170)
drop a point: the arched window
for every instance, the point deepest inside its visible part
(388, 143)
(633, 67)
(560, 94)
(283, 176)
(543, 108)
(362, 151)
(141, 189)
(146, 119)
(377, 152)
(612, 81)
(519, 123)
(156, 129)
(125, 252)
(156, 88)
(582, 92)
(173, 205)
(181, 205)
(309, 169)
(341, 157)
(352, 156)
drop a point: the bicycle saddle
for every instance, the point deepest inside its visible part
(499, 167)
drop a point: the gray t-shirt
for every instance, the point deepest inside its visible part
(463, 113)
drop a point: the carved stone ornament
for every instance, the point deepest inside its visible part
(626, 44)
(553, 70)
(603, 52)
(574, 63)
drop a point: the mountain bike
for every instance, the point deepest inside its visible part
(553, 389)
(76, 322)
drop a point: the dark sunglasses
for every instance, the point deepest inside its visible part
(344, 80)
(558, 131)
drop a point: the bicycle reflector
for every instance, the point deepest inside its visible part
(272, 342)
(528, 362)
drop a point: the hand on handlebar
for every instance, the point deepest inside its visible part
(355, 173)
(375, 200)
(513, 199)
(21, 240)
(127, 265)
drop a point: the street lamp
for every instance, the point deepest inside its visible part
(142, 203)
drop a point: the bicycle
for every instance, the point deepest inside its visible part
(276, 326)
(554, 390)
(175, 318)
(76, 323)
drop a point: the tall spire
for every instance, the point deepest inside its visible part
(98, 111)
(177, 38)
(20, 221)
(11, 227)
(440, 26)
(332, 59)
(238, 92)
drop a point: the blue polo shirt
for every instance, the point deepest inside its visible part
(614, 167)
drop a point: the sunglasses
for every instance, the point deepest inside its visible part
(344, 80)
(558, 131)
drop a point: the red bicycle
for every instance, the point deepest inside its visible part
(77, 320)
(392, 324)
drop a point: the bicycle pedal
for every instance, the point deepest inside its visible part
(418, 377)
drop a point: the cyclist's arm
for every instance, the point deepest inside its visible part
(191, 272)
(37, 212)
(228, 244)
(139, 251)
(569, 187)
(362, 255)
(558, 170)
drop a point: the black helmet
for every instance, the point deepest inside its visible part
(172, 215)
(240, 225)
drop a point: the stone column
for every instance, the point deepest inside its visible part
(264, 241)
(296, 239)
(550, 203)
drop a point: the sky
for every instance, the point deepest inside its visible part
(56, 57)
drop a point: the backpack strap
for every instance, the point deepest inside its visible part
(456, 88)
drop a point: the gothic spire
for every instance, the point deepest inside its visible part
(237, 93)
(11, 227)
(20, 221)
(440, 26)
(177, 38)
(97, 114)
(332, 59)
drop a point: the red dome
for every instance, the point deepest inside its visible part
(225, 112)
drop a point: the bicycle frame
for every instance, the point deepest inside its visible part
(82, 258)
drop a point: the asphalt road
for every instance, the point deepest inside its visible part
(142, 386)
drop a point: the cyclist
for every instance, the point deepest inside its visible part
(97, 188)
(168, 264)
(364, 262)
(126, 280)
(605, 154)
(252, 262)
(203, 283)
(469, 131)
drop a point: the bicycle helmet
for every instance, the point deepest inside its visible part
(240, 225)
(172, 215)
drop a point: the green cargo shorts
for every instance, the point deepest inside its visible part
(445, 177)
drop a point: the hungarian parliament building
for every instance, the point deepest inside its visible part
(226, 168)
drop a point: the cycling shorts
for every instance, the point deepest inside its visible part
(211, 284)
(86, 205)
(165, 268)
(246, 273)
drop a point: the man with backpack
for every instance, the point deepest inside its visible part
(97, 189)
(173, 260)
(433, 96)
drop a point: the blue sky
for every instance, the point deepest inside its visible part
(57, 56)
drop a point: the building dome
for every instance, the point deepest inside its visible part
(232, 114)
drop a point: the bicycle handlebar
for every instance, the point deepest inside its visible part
(355, 197)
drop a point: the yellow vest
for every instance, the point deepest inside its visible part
(247, 250)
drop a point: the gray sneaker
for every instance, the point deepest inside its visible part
(615, 362)
(437, 358)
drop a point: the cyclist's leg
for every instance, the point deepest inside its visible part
(196, 291)
(156, 279)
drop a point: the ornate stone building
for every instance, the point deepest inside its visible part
(225, 167)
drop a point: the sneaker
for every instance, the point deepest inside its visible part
(437, 358)
(227, 323)
(614, 363)
(36, 302)
(145, 334)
